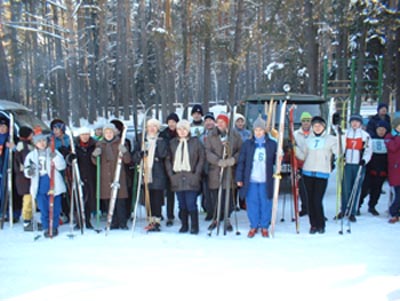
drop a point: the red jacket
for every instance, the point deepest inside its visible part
(393, 150)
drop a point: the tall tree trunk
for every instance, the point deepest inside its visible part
(310, 54)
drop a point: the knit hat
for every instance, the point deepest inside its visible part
(38, 135)
(356, 117)
(318, 119)
(223, 117)
(209, 115)
(197, 108)
(305, 115)
(25, 131)
(110, 126)
(3, 121)
(239, 116)
(382, 124)
(382, 105)
(83, 130)
(57, 123)
(259, 123)
(396, 122)
(155, 122)
(183, 124)
(119, 125)
(173, 116)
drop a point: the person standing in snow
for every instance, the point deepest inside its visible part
(184, 166)
(108, 149)
(168, 134)
(84, 147)
(392, 141)
(154, 154)
(222, 151)
(316, 151)
(22, 183)
(37, 167)
(254, 173)
(357, 153)
(300, 135)
(376, 169)
(206, 203)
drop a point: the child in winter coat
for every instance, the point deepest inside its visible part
(376, 169)
(38, 167)
(184, 166)
(357, 153)
(392, 141)
(316, 152)
(108, 149)
(22, 183)
(254, 177)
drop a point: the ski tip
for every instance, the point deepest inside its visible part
(37, 237)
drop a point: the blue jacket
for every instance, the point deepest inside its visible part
(245, 164)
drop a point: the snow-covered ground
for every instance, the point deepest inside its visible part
(363, 265)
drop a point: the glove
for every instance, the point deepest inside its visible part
(122, 148)
(96, 152)
(20, 146)
(362, 162)
(70, 157)
(31, 170)
(222, 163)
(53, 155)
(230, 161)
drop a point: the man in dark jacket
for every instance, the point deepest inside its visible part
(380, 115)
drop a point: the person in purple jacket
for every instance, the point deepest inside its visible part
(392, 141)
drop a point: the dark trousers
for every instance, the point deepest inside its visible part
(303, 194)
(316, 188)
(394, 209)
(349, 178)
(372, 185)
(214, 198)
(119, 218)
(170, 203)
(156, 201)
(187, 200)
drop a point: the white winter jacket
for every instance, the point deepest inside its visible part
(59, 163)
(357, 145)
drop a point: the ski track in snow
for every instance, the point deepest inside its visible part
(362, 265)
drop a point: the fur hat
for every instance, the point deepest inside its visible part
(356, 117)
(239, 116)
(25, 131)
(119, 125)
(223, 117)
(155, 122)
(259, 123)
(110, 126)
(4, 121)
(318, 119)
(173, 116)
(183, 124)
(83, 130)
(197, 108)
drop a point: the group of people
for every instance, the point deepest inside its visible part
(371, 156)
(212, 158)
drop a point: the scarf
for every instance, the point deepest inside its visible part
(108, 150)
(182, 162)
(151, 150)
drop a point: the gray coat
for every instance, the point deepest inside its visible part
(214, 152)
(186, 181)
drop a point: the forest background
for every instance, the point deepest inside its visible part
(96, 58)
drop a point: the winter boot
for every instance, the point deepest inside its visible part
(28, 226)
(194, 218)
(183, 215)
